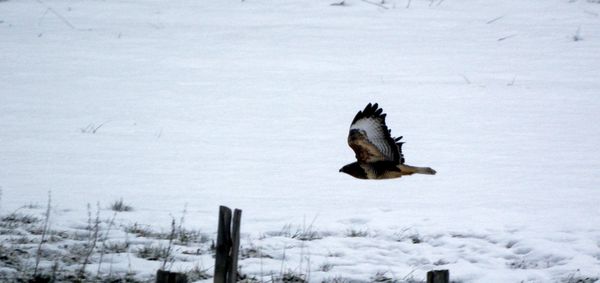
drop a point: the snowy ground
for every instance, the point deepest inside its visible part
(186, 105)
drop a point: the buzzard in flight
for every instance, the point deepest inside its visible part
(378, 154)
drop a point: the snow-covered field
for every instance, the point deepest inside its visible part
(180, 106)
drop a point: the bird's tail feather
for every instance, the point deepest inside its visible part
(409, 170)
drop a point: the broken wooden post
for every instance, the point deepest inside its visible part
(438, 276)
(163, 276)
(227, 246)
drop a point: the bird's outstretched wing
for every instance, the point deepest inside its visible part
(371, 139)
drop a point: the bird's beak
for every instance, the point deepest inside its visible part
(340, 170)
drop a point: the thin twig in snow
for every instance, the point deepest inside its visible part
(506, 37)
(494, 19)
(181, 220)
(104, 240)
(93, 240)
(44, 231)
(466, 79)
(94, 130)
(49, 9)
(89, 213)
(282, 260)
(409, 274)
(169, 247)
(129, 270)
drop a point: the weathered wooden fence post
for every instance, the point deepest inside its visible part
(438, 276)
(227, 246)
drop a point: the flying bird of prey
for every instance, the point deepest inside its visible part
(378, 154)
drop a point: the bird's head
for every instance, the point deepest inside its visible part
(354, 170)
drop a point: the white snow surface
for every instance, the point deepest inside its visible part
(196, 104)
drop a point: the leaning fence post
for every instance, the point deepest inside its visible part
(438, 276)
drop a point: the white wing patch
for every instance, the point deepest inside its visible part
(376, 133)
